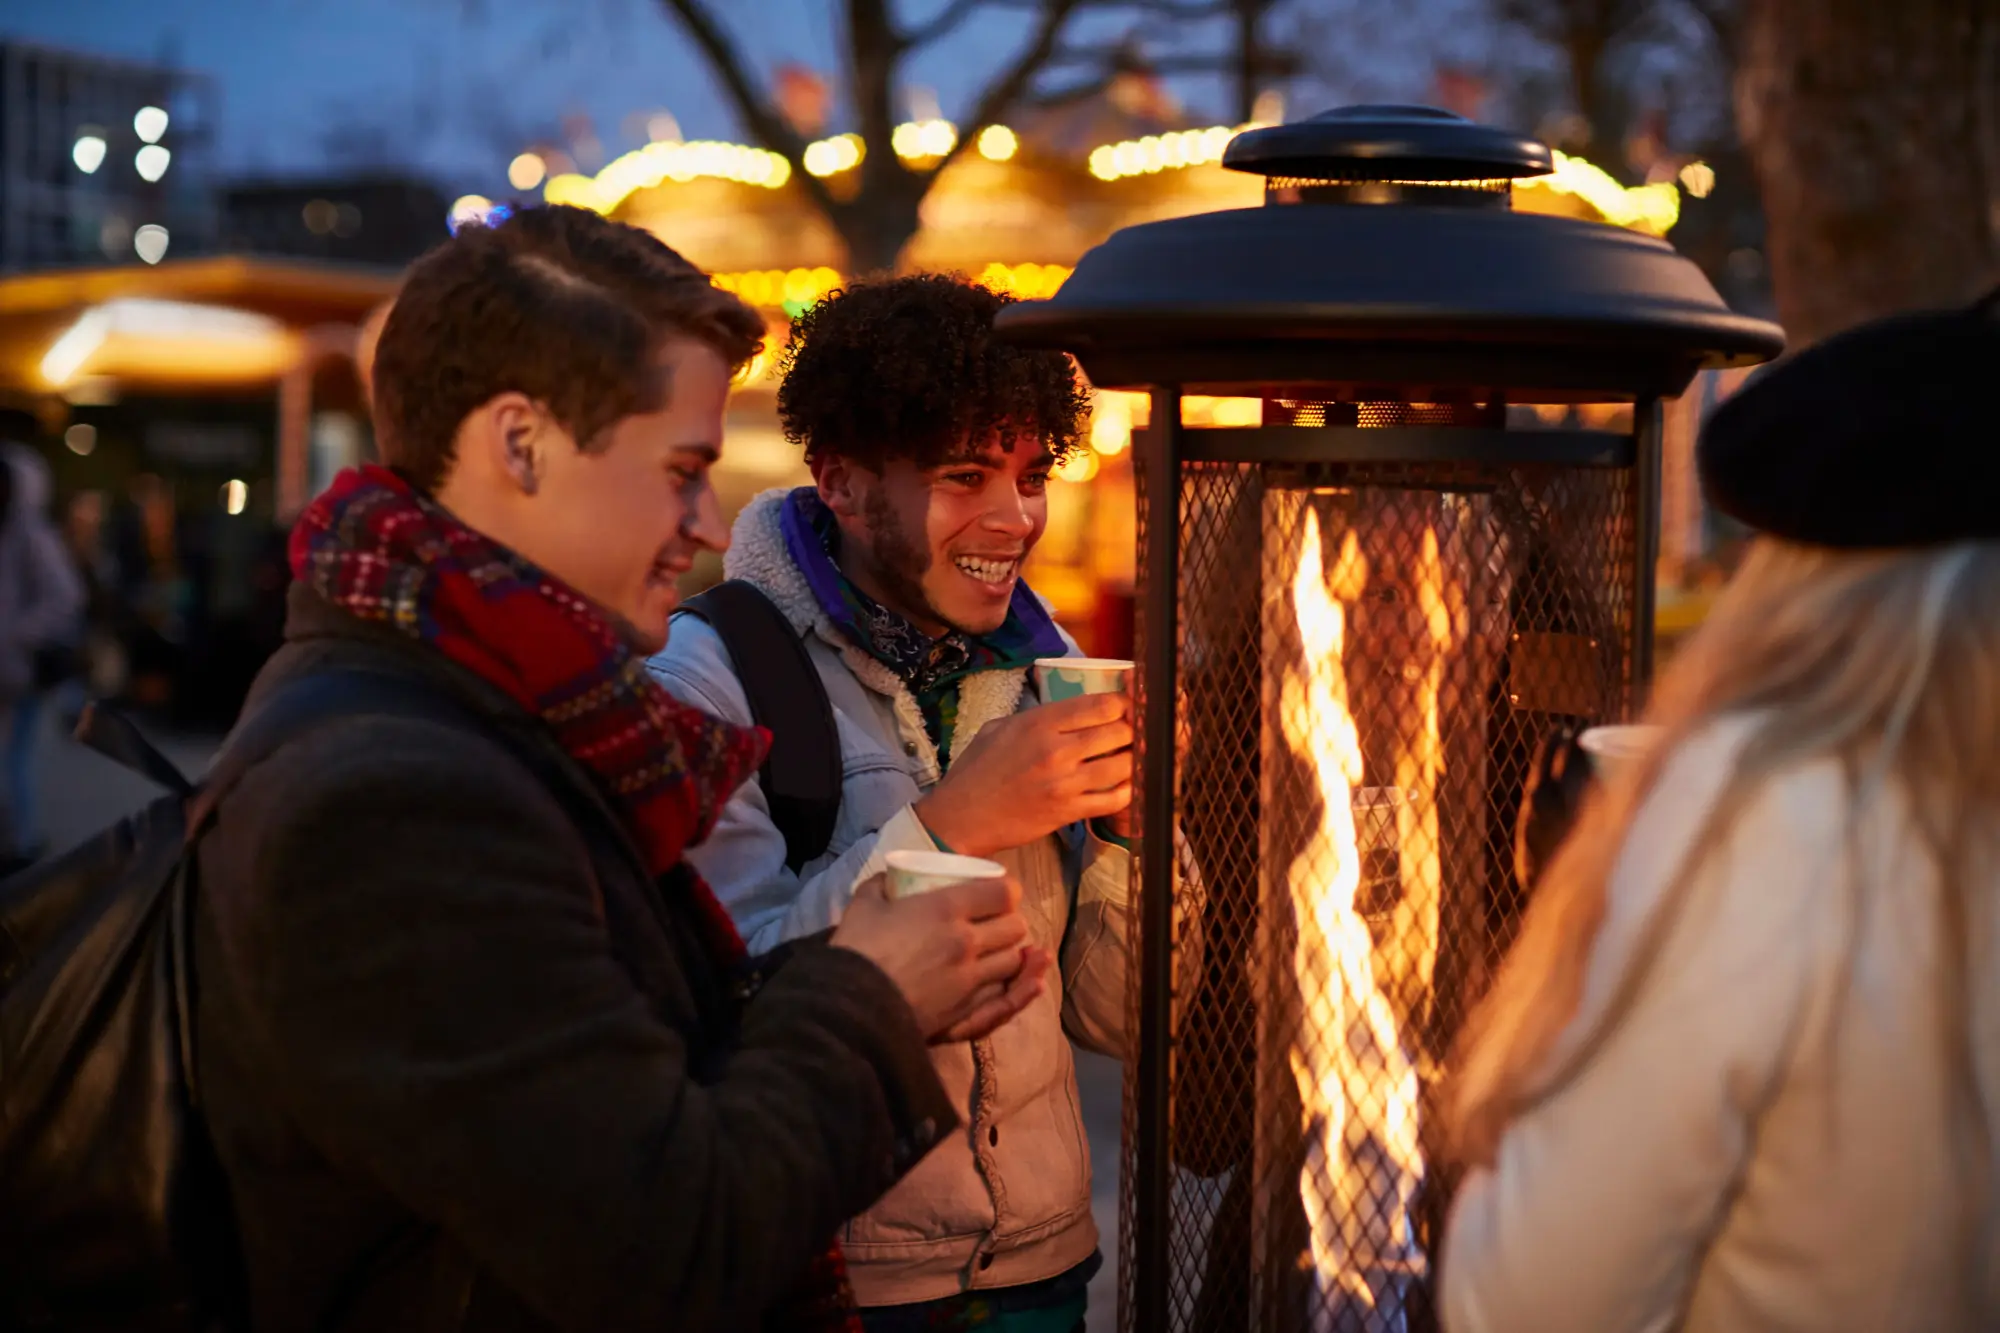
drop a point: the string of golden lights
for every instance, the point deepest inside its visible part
(1155, 153)
(1653, 207)
(786, 288)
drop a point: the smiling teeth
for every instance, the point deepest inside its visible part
(988, 571)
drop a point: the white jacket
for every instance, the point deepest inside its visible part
(1006, 1201)
(1763, 1144)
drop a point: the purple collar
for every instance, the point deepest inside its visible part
(923, 663)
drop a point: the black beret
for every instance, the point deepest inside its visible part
(1887, 435)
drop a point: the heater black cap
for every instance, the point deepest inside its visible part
(1887, 435)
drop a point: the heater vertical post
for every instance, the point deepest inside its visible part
(1152, 1183)
(1648, 428)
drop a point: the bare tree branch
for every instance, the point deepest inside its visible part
(877, 209)
(946, 19)
(1179, 62)
(1069, 94)
(1011, 83)
(1586, 34)
(750, 102)
(872, 56)
(1177, 11)
(1190, 11)
(1561, 22)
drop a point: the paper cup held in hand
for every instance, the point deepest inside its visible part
(1058, 678)
(912, 873)
(1615, 750)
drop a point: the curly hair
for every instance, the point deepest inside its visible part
(557, 303)
(908, 367)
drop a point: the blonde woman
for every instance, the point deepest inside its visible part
(1742, 1069)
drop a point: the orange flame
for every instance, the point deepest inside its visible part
(1356, 1078)
(1419, 766)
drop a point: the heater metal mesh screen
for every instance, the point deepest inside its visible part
(1369, 656)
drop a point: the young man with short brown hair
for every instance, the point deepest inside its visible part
(477, 1047)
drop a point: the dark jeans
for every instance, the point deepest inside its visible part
(1053, 1305)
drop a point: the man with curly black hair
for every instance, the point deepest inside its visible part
(931, 443)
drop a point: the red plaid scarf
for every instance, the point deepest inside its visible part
(377, 549)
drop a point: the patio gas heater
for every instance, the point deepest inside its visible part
(1357, 621)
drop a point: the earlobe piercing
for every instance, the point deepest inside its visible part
(523, 460)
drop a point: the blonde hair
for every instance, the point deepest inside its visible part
(1886, 661)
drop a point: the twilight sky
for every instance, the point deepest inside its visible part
(457, 86)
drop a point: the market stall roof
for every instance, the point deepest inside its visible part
(176, 326)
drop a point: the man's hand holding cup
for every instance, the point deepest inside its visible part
(1025, 776)
(957, 950)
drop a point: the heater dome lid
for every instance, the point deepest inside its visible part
(1386, 254)
(1405, 143)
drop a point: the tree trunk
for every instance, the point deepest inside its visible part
(875, 236)
(1249, 59)
(881, 218)
(1586, 83)
(1874, 130)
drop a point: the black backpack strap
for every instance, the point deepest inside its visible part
(115, 736)
(801, 774)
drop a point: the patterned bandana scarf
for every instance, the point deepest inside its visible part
(931, 668)
(375, 548)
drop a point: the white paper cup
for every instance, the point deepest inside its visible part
(912, 873)
(1615, 750)
(1059, 678)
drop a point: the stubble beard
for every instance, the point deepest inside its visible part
(900, 562)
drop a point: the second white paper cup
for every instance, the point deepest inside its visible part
(1059, 678)
(1615, 749)
(912, 873)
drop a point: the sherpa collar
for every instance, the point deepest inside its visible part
(757, 554)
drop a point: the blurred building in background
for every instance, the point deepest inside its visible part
(101, 159)
(380, 219)
(189, 349)
(188, 409)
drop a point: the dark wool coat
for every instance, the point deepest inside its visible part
(466, 1067)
